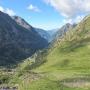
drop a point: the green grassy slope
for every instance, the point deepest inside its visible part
(67, 65)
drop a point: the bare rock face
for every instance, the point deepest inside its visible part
(18, 40)
(43, 33)
(64, 29)
(22, 22)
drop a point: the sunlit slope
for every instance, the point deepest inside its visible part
(71, 52)
(67, 65)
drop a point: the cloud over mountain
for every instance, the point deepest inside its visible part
(7, 10)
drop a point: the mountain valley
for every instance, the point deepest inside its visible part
(31, 60)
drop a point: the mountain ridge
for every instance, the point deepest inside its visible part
(67, 62)
(17, 41)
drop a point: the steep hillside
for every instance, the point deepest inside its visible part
(52, 34)
(62, 31)
(18, 40)
(67, 65)
(64, 66)
(22, 22)
(44, 34)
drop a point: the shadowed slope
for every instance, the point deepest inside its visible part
(17, 42)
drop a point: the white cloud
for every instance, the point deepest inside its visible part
(67, 21)
(1, 9)
(77, 19)
(33, 8)
(10, 12)
(7, 10)
(70, 8)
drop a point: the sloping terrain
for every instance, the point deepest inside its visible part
(67, 65)
(63, 66)
(18, 40)
(44, 34)
(62, 31)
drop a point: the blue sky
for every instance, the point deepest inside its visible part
(47, 14)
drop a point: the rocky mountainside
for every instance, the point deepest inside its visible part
(52, 34)
(43, 34)
(18, 40)
(21, 22)
(49, 35)
(62, 31)
(66, 65)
